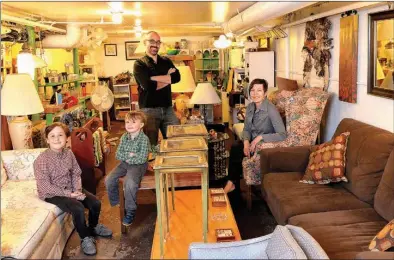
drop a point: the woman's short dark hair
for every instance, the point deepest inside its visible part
(49, 128)
(258, 81)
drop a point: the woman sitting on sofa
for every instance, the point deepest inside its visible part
(263, 123)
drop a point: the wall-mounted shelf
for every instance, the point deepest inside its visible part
(61, 83)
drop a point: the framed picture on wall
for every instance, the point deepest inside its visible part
(264, 44)
(130, 48)
(110, 50)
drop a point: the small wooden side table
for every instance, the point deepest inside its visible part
(187, 130)
(185, 145)
(181, 163)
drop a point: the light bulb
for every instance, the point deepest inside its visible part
(116, 6)
(138, 22)
(117, 18)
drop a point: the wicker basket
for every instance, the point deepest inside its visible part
(50, 109)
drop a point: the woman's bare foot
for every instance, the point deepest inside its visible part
(229, 187)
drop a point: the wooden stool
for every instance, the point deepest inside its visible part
(192, 179)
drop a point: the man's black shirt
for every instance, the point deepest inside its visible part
(144, 69)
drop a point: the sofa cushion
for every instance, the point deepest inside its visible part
(342, 234)
(304, 111)
(384, 196)
(282, 245)
(367, 153)
(287, 197)
(23, 195)
(384, 239)
(22, 230)
(327, 162)
(19, 163)
(308, 244)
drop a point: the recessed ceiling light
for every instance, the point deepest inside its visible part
(116, 6)
(117, 18)
(138, 22)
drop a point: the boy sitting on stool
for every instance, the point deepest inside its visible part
(133, 152)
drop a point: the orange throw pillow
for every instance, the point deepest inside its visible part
(327, 162)
(384, 239)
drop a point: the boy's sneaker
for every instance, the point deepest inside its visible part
(102, 231)
(128, 219)
(88, 246)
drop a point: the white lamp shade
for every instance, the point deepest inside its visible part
(186, 84)
(222, 43)
(205, 94)
(25, 63)
(19, 96)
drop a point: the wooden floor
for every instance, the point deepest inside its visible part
(186, 225)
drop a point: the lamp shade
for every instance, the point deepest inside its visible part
(186, 84)
(205, 94)
(19, 96)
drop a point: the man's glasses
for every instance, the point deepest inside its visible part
(153, 42)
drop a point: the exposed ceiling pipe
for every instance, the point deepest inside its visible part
(22, 21)
(335, 11)
(259, 13)
(72, 38)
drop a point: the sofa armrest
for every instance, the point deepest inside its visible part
(245, 249)
(285, 159)
(374, 255)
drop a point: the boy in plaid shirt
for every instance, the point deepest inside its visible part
(58, 178)
(133, 152)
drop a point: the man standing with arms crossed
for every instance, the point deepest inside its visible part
(154, 75)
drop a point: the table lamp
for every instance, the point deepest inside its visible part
(19, 98)
(186, 84)
(205, 95)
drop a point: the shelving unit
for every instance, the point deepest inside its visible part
(207, 65)
(90, 84)
(122, 100)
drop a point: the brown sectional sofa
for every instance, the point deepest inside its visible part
(342, 217)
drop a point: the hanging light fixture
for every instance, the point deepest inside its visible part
(222, 43)
(27, 62)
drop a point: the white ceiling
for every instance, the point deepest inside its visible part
(168, 18)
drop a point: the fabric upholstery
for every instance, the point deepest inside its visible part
(308, 244)
(19, 163)
(30, 227)
(282, 245)
(304, 110)
(368, 150)
(286, 197)
(384, 196)
(327, 162)
(384, 239)
(22, 230)
(3, 174)
(245, 249)
(55, 239)
(23, 195)
(285, 159)
(343, 233)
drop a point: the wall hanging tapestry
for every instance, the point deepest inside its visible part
(348, 44)
(316, 53)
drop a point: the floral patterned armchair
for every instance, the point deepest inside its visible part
(304, 110)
